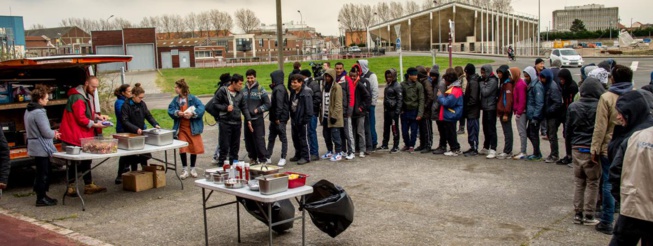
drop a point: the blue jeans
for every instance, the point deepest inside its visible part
(409, 122)
(472, 133)
(312, 136)
(372, 117)
(607, 215)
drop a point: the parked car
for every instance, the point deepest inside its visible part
(60, 73)
(568, 57)
(354, 49)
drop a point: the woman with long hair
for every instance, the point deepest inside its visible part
(188, 125)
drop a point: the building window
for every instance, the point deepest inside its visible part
(203, 54)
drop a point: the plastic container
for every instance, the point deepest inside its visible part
(298, 182)
(99, 145)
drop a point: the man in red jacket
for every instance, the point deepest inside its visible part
(81, 120)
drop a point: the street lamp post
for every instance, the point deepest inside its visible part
(301, 19)
(539, 21)
(108, 21)
(439, 27)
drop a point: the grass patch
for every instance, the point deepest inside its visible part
(203, 80)
(161, 116)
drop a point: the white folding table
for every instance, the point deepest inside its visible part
(245, 192)
(176, 144)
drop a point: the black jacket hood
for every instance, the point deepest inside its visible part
(634, 108)
(421, 72)
(393, 72)
(591, 88)
(566, 74)
(33, 105)
(277, 78)
(505, 71)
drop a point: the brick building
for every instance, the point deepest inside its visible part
(137, 42)
(67, 40)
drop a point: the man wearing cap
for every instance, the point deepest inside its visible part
(413, 109)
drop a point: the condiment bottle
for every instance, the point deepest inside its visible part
(247, 171)
(239, 171)
(236, 167)
(226, 166)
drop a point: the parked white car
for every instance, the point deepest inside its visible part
(568, 57)
(354, 49)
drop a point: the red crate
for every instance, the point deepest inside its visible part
(299, 182)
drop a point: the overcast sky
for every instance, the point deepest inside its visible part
(321, 14)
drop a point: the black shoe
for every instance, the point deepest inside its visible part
(439, 151)
(469, 150)
(604, 228)
(382, 148)
(118, 180)
(473, 152)
(420, 148)
(294, 158)
(367, 153)
(51, 199)
(43, 202)
(426, 149)
(394, 150)
(315, 158)
(302, 161)
(578, 218)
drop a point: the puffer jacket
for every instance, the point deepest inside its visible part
(535, 96)
(413, 93)
(279, 101)
(553, 97)
(362, 98)
(333, 99)
(489, 89)
(429, 95)
(222, 101)
(472, 97)
(631, 168)
(392, 96)
(606, 117)
(519, 92)
(504, 105)
(304, 111)
(581, 114)
(451, 103)
(257, 98)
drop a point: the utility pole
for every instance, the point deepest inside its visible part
(279, 37)
(539, 19)
(451, 30)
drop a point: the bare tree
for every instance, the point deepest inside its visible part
(37, 26)
(502, 5)
(348, 17)
(178, 25)
(220, 21)
(411, 7)
(191, 23)
(427, 4)
(383, 11)
(121, 23)
(246, 20)
(396, 10)
(203, 22)
(166, 24)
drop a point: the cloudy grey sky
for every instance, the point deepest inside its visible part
(321, 14)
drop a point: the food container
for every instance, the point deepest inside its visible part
(130, 141)
(260, 170)
(99, 145)
(296, 179)
(73, 150)
(273, 183)
(158, 137)
(235, 183)
(220, 177)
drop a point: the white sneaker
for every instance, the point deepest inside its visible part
(519, 156)
(193, 173)
(350, 156)
(484, 151)
(362, 154)
(503, 156)
(452, 153)
(269, 161)
(491, 154)
(282, 162)
(328, 155)
(184, 174)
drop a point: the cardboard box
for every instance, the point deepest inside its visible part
(159, 174)
(137, 181)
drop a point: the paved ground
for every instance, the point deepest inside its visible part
(400, 199)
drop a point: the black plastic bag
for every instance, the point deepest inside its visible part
(330, 208)
(281, 210)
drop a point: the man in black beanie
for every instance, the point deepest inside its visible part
(472, 109)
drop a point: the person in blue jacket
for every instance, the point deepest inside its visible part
(188, 125)
(123, 92)
(534, 110)
(451, 110)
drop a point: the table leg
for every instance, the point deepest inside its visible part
(238, 217)
(270, 222)
(63, 199)
(303, 220)
(77, 189)
(206, 231)
(176, 173)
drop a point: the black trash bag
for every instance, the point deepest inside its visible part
(281, 210)
(330, 208)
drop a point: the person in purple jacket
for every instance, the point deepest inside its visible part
(519, 109)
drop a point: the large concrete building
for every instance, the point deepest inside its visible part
(594, 16)
(475, 29)
(12, 37)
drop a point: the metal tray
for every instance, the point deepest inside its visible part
(130, 141)
(273, 183)
(260, 170)
(158, 137)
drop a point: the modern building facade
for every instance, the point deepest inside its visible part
(594, 16)
(12, 37)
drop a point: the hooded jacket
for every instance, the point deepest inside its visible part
(314, 85)
(222, 101)
(117, 108)
(348, 92)
(606, 117)
(257, 98)
(362, 97)
(333, 100)
(304, 111)
(429, 96)
(78, 117)
(519, 92)
(392, 95)
(372, 79)
(279, 99)
(413, 93)
(553, 97)
(472, 95)
(630, 172)
(134, 115)
(581, 114)
(39, 134)
(489, 89)
(451, 103)
(555, 69)
(438, 85)
(504, 105)
(569, 89)
(535, 96)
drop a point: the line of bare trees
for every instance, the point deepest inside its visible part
(176, 26)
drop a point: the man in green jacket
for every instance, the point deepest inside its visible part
(413, 109)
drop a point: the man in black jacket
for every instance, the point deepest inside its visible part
(361, 105)
(392, 103)
(258, 103)
(279, 115)
(472, 110)
(314, 85)
(489, 95)
(5, 165)
(553, 112)
(301, 110)
(230, 103)
(569, 89)
(425, 124)
(225, 80)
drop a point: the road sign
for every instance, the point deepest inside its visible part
(398, 43)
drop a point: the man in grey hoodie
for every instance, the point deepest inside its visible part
(489, 96)
(374, 91)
